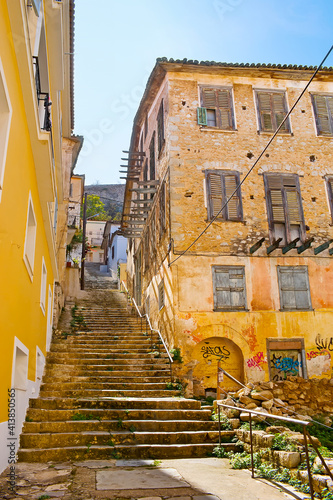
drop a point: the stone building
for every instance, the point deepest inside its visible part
(255, 290)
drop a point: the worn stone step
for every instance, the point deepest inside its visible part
(116, 371)
(75, 386)
(145, 359)
(120, 392)
(114, 425)
(100, 438)
(107, 378)
(117, 402)
(140, 451)
(48, 415)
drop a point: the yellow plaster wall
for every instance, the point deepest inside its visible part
(20, 311)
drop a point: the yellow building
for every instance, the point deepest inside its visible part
(36, 116)
(255, 290)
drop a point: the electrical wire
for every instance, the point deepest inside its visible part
(257, 160)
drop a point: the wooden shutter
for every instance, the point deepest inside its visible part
(323, 106)
(161, 295)
(162, 209)
(234, 207)
(329, 183)
(202, 116)
(225, 107)
(209, 98)
(272, 110)
(229, 287)
(219, 100)
(215, 194)
(152, 158)
(160, 127)
(294, 288)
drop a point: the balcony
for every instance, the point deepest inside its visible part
(43, 98)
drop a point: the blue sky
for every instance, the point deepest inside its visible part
(117, 43)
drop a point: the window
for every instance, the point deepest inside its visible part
(229, 288)
(323, 110)
(152, 158)
(5, 119)
(286, 358)
(284, 208)
(161, 295)
(160, 128)
(145, 128)
(162, 212)
(30, 239)
(220, 184)
(217, 108)
(112, 252)
(43, 287)
(329, 184)
(294, 288)
(272, 108)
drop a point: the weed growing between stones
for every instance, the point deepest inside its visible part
(83, 416)
(176, 354)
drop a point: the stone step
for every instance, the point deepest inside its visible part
(140, 451)
(120, 392)
(103, 372)
(110, 377)
(46, 415)
(115, 425)
(146, 359)
(100, 438)
(116, 403)
(76, 386)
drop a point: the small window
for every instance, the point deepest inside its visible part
(220, 185)
(294, 288)
(145, 128)
(284, 208)
(323, 110)
(152, 158)
(217, 108)
(5, 119)
(272, 108)
(160, 128)
(30, 239)
(112, 252)
(43, 287)
(329, 184)
(161, 295)
(286, 358)
(229, 288)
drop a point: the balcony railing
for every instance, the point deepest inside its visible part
(43, 98)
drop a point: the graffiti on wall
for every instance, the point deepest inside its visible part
(284, 364)
(256, 361)
(314, 354)
(324, 343)
(218, 351)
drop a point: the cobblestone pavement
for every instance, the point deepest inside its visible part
(182, 479)
(94, 278)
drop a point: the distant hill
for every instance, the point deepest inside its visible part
(112, 195)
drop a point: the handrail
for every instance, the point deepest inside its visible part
(148, 321)
(285, 419)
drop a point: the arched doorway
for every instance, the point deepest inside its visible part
(208, 352)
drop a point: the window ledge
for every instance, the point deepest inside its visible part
(230, 309)
(296, 310)
(219, 130)
(320, 136)
(264, 132)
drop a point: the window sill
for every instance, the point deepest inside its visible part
(230, 309)
(226, 220)
(219, 130)
(296, 310)
(264, 132)
(320, 136)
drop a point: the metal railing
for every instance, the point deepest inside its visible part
(148, 323)
(285, 419)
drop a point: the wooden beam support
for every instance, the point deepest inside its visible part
(322, 247)
(290, 245)
(273, 246)
(257, 245)
(305, 246)
(144, 190)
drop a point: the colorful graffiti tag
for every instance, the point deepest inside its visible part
(284, 364)
(315, 354)
(257, 360)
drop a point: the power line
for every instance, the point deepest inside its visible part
(257, 160)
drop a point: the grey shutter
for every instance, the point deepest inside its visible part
(234, 207)
(275, 198)
(229, 287)
(294, 288)
(225, 107)
(323, 110)
(209, 98)
(272, 110)
(215, 194)
(160, 127)
(162, 209)
(279, 110)
(329, 182)
(202, 116)
(152, 158)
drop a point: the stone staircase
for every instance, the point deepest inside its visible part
(104, 395)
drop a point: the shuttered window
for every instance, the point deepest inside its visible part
(329, 184)
(160, 127)
(229, 288)
(162, 212)
(323, 109)
(294, 288)
(152, 158)
(272, 108)
(161, 295)
(217, 108)
(284, 208)
(220, 184)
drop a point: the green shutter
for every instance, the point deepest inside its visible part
(202, 116)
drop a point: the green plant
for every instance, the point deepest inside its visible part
(110, 442)
(116, 455)
(43, 497)
(132, 428)
(176, 355)
(243, 460)
(120, 424)
(156, 463)
(127, 412)
(110, 369)
(326, 494)
(28, 419)
(283, 442)
(171, 386)
(220, 452)
(82, 416)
